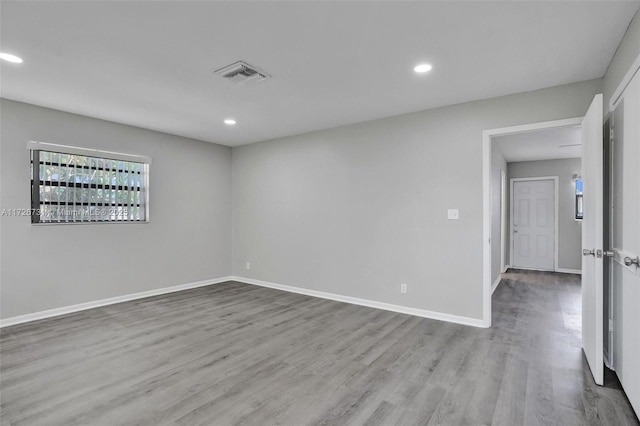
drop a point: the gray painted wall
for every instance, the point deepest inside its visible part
(498, 165)
(357, 210)
(373, 195)
(569, 230)
(51, 266)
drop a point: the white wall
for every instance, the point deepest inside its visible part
(569, 230)
(359, 209)
(51, 266)
(498, 165)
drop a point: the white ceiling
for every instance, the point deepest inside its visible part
(541, 145)
(150, 64)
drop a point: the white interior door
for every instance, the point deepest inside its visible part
(534, 223)
(592, 239)
(626, 240)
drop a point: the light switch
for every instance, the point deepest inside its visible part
(453, 214)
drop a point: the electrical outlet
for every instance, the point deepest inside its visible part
(403, 288)
(248, 266)
(453, 214)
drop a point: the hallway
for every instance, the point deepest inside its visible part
(539, 315)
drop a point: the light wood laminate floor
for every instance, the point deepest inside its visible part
(234, 353)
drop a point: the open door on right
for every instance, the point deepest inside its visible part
(592, 239)
(625, 239)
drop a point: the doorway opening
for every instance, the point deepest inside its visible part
(547, 154)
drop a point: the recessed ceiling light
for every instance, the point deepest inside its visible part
(10, 58)
(229, 121)
(422, 68)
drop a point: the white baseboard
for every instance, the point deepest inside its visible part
(103, 302)
(569, 271)
(364, 302)
(523, 268)
(331, 296)
(561, 270)
(496, 283)
(506, 268)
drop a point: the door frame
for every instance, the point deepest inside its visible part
(631, 72)
(555, 180)
(613, 104)
(503, 221)
(486, 198)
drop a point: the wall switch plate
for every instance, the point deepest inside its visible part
(248, 266)
(453, 214)
(403, 288)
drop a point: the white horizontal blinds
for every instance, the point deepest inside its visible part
(76, 188)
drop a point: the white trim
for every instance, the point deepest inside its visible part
(495, 284)
(556, 180)
(331, 296)
(506, 268)
(365, 302)
(104, 302)
(624, 83)
(503, 219)
(486, 199)
(523, 268)
(67, 149)
(486, 227)
(512, 130)
(569, 271)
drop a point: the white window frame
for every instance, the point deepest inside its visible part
(575, 200)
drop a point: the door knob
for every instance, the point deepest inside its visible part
(630, 261)
(587, 252)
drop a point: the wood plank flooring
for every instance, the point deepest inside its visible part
(234, 353)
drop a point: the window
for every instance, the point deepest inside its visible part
(72, 185)
(579, 207)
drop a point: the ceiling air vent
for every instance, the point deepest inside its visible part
(243, 74)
